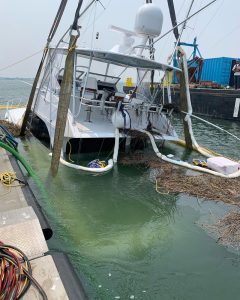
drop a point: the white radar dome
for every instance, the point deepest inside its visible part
(149, 20)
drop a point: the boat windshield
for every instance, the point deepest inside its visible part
(100, 77)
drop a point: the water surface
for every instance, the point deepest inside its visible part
(125, 240)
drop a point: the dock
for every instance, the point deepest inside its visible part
(23, 225)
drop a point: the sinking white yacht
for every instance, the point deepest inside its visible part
(80, 104)
(99, 111)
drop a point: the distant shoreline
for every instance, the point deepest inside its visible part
(15, 78)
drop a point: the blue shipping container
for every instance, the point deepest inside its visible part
(218, 69)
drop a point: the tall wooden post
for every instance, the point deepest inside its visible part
(63, 105)
(185, 100)
(65, 94)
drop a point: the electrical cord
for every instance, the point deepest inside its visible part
(15, 274)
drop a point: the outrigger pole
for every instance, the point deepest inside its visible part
(151, 57)
(173, 18)
(45, 51)
(179, 24)
(65, 93)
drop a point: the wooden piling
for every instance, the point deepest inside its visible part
(63, 105)
(185, 101)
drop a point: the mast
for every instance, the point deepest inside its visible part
(188, 18)
(36, 79)
(173, 18)
(151, 57)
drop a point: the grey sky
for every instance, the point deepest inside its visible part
(24, 26)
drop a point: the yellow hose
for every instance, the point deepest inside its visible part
(183, 144)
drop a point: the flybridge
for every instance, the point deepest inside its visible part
(123, 60)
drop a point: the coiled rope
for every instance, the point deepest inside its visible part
(8, 178)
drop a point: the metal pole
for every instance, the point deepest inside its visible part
(179, 24)
(151, 57)
(36, 79)
(180, 35)
(173, 17)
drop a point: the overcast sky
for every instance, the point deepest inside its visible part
(25, 24)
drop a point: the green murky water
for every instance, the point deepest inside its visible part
(128, 242)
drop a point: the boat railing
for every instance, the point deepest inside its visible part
(88, 101)
(98, 102)
(144, 107)
(144, 47)
(47, 91)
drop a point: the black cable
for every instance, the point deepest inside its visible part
(15, 274)
(57, 20)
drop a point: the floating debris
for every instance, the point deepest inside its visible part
(176, 179)
(227, 230)
(13, 129)
(137, 158)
